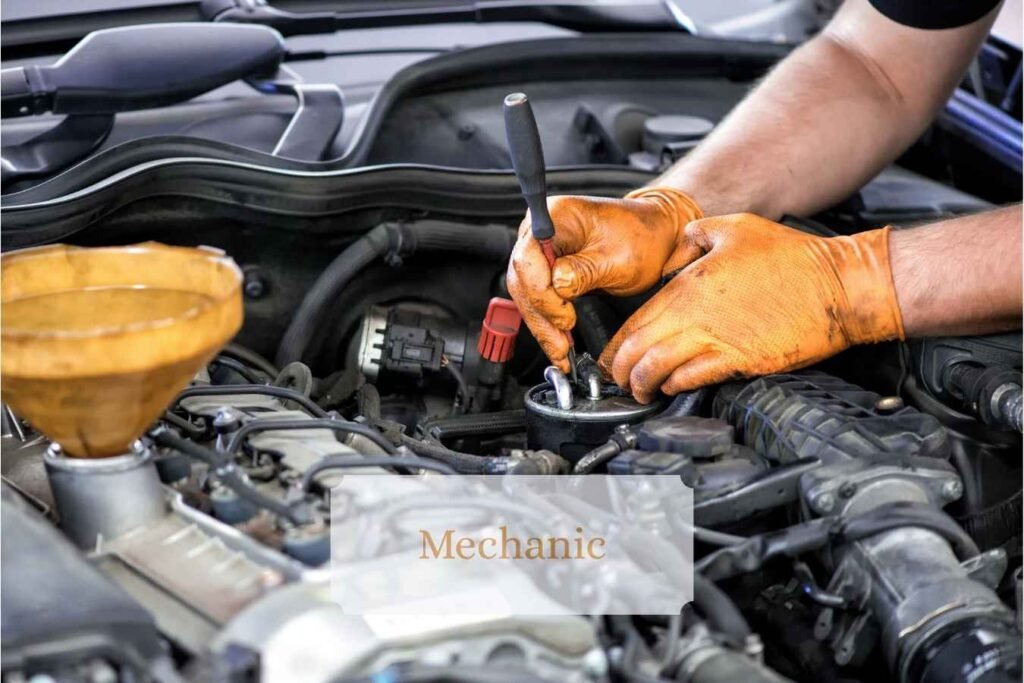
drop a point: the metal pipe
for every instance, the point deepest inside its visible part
(560, 383)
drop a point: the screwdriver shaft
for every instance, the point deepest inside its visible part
(548, 248)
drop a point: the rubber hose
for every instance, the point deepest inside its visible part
(685, 404)
(236, 483)
(368, 402)
(482, 424)
(493, 242)
(464, 463)
(996, 524)
(238, 367)
(597, 457)
(296, 376)
(755, 551)
(345, 461)
(325, 290)
(719, 609)
(260, 389)
(593, 330)
(223, 469)
(343, 426)
(249, 356)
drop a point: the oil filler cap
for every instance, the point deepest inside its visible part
(499, 330)
(697, 437)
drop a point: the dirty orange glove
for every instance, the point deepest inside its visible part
(763, 299)
(623, 246)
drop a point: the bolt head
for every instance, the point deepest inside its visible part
(847, 489)
(227, 419)
(952, 489)
(826, 502)
(254, 285)
(254, 289)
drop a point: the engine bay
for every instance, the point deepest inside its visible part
(383, 355)
(858, 520)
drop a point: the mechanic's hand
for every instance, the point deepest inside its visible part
(623, 246)
(763, 299)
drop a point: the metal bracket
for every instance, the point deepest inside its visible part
(315, 122)
(850, 487)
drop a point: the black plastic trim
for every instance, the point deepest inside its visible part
(661, 55)
(289, 194)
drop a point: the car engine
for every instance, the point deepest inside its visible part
(835, 522)
(857, 520)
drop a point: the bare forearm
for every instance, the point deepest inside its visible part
(817, 128)
(961, 276)
(828, 118)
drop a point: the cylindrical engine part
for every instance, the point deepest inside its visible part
(993, 394)
(981, 651)
(588, 423)
(103, 498)
(928, 607)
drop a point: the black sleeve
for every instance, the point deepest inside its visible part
(933, 14)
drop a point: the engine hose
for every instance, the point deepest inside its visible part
(345, 461)
(601, 455)
(490, 242)
(994, 394)
(651, 549)
(755, 551)
(261, 389)
(368, 402)
(685, 404)
(481, 424)
(249, 356)
(720, 611)
(996, 524)
(596, 457)
(225, 472)
(464, 463)
(238, 368)
(267, 425)
(296, 376)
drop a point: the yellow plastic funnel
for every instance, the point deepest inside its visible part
(96, 342)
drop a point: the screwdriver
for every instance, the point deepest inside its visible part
(528, 162)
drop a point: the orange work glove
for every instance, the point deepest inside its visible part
(763, 299)
(623, 246)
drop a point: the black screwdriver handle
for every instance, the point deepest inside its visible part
(528, 162)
